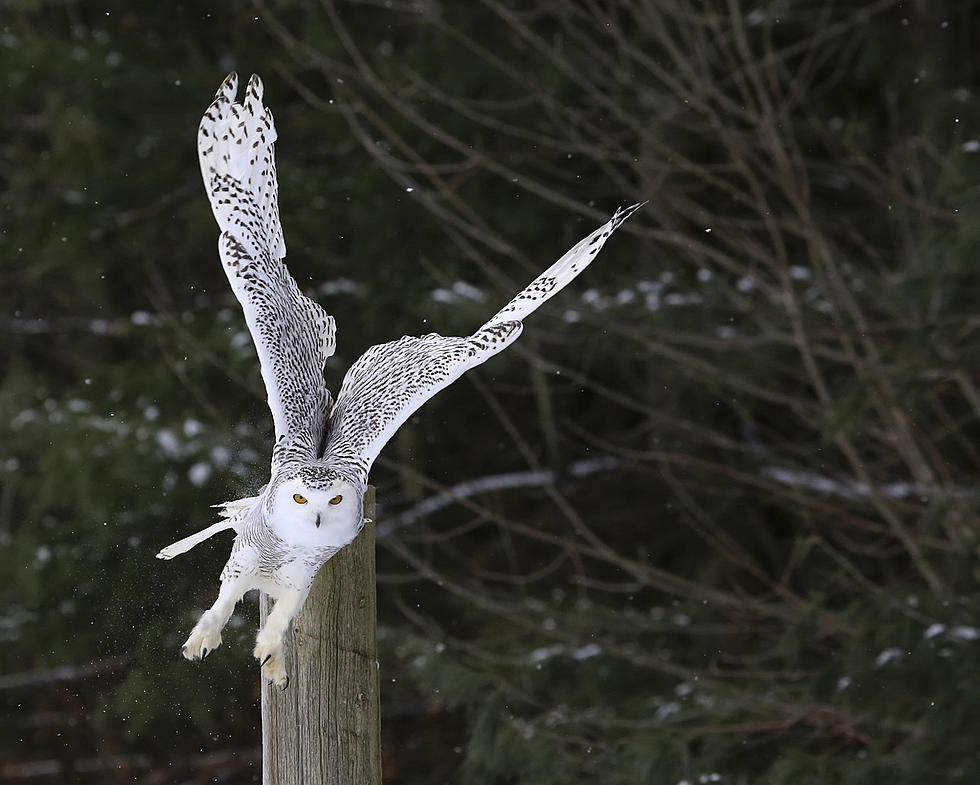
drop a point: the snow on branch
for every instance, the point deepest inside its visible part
(493, 482)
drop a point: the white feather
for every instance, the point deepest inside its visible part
(184, 545)
(293, 336)
(386, 385)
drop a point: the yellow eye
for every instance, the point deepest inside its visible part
(337, 499)
(299, 499)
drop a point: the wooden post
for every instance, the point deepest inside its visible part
(325, 728)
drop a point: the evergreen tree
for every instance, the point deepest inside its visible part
(712, 520)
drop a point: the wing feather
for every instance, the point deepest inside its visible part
(293, 336)
(389, 382)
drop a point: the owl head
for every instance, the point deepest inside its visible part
(314, 505)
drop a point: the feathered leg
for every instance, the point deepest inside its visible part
(206, 635)
(269, 642)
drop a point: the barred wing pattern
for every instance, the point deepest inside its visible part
(312, 505)
(293, 336)
(389, 382)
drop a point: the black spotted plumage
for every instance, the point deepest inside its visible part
(323, 448)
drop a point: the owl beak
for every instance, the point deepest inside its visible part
(318, 520)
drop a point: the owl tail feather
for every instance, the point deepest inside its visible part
(232, 514)
(184, 545)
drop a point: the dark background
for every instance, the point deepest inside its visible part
(730, 528)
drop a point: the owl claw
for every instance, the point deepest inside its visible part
(269, 652)
(200, 644)
(275, 673)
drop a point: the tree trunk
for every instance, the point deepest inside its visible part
(325, 728)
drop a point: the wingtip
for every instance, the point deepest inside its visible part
(255, 91)
(223, 98)
(622, 213)
(229, 87)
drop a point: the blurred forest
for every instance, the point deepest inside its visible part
(713, 519)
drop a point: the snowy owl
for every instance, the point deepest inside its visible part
(312, 505)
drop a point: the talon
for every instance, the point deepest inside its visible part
(286, 684)
(204, 654)
(267, 658)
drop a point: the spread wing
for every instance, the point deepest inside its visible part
(293, 336)
(390, 381)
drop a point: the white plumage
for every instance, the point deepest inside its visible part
(312, 505)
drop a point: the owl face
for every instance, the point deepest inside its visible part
(330, 514)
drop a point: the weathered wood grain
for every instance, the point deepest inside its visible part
(325, 728)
